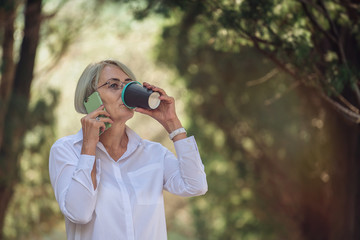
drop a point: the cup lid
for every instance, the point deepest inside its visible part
(154, 100)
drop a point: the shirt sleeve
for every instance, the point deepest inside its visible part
(185, 175)
(70, 176)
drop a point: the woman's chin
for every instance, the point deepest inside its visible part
(128, 114)
(122, 115)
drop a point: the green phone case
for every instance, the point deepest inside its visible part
(92, 103)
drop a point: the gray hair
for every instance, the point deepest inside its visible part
(89, 80)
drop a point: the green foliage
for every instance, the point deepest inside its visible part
(33, 209)
(63, 25)
(271, 158)
(33, 203)
(225, 121)
(256, 135)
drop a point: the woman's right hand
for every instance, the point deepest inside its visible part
(91, 126)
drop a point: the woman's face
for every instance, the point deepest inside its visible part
(111, 82)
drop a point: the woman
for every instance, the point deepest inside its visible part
(110, 186)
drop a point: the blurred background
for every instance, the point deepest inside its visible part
(269, 88)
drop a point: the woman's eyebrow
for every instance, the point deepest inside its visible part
(116, 79)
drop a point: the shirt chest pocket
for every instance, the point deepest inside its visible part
(147, 183)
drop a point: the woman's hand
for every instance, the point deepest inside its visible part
(91, 125)
(165, 114)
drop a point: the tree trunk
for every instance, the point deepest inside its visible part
(8, 12)
(352, 185)
(343, 211)
(15, 125)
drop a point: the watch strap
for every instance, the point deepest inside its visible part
(176, 132)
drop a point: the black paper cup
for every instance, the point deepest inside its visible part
(135, 95)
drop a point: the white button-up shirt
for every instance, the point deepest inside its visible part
(128, 201)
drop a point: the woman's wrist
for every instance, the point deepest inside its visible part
(172, 125)
(179, 137)
(88, 148)
(176, 133)
(175, 130)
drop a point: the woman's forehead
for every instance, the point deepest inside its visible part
(111, 71)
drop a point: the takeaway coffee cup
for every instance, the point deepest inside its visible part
(135, 95)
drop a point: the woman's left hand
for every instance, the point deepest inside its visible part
(165, 114)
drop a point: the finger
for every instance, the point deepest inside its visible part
(91, 125)
(159, 90)
(103, 113)
(99, 124)
(147, 85)
(102, 127)
(154, 88)
(98, 112)
(104, 119)
(166, 98)
(100, 107)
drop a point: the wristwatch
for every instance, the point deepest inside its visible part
(176, 132)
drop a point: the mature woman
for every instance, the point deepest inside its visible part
(110, 186)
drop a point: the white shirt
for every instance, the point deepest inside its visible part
(128, 201)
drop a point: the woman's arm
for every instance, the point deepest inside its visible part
(72, 182)
(91, 127)
(185, 175)
(165, 114)
(75, 176)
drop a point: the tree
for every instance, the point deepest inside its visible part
(312, 193)
(15, 93)
(20, 119)
(24, 179)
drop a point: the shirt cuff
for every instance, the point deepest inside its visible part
(85, 162)
(186, 145)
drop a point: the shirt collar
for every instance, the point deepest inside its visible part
(134, 139)
(78, 137)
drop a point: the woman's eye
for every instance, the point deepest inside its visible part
(114, 86)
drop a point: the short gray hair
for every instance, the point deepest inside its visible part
(89, 80)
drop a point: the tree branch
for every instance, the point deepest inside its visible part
(263, 79)
(348, 114)
(315, 23)
(253, 37)
(337, 40)
(327, 16)
(352, 10)
(56, 11)
(279, 95)
(333, 90)
(277, 62)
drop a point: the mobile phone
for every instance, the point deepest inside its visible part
(92, 103)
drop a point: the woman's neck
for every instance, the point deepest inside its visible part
(115, 137)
